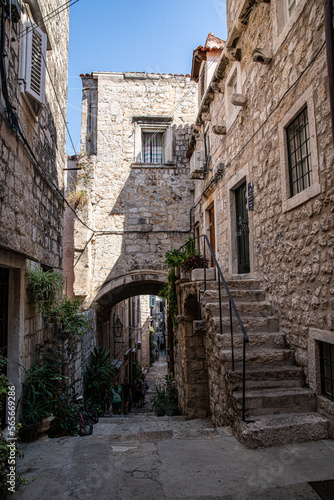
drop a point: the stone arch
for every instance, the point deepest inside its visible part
(140, 282)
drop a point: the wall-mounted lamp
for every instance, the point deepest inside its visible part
(118, 327)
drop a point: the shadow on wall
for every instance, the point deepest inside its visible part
(150, 216)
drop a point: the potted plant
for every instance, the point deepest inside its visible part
(193, 262)
(43, 287)
(33, 412)
(174, 260)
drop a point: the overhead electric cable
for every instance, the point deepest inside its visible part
(47, 17)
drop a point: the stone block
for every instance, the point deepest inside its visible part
(198, 274)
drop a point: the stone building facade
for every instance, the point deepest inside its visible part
(261, 154)
(32, 149)
(134, 192)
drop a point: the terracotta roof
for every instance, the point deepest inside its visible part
(212, 44)
(87, 75)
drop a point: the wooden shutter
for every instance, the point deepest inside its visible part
(35, 63)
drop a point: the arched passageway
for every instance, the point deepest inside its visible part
(131, 324)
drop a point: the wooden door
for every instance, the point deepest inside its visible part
(212, 232)
(242, 230)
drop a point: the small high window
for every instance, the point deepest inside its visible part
(299, 155)
(327, 369)
(153, 147)
(153, 140)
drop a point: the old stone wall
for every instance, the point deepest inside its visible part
(137, 211)
(291, 242)
(190, 358)
(31, 208)
(145, 331)
(31, 181)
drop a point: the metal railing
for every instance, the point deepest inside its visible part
(232, 307)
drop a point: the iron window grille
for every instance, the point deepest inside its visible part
(327, 369)
(299, 156)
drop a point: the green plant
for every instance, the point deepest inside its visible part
(3, 381)
(194, 262)
(44, 287)
(174, 258)
(42, 386)
(165, 400)
(9, 450)
(66, 419)
(168, 292)
(98, 378)
(137, 372)
(71, 323)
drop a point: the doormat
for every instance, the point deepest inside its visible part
(325, 489)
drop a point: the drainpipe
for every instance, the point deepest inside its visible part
(328, 6)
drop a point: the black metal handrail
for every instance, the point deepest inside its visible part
(231, 306)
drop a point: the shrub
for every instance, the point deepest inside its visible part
(165, 400)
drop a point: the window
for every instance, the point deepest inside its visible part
(232, 89)
(299, 155)
(152, 147)
(285, 14)
(327, 369)
(32, 73)
(233, 86)
(298, 146)
(153, 140)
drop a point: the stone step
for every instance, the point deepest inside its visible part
(235, 284)
(276, 401)
(258, 356)
(262, 308)
(249, 295)
(281, 429)
(267, 376)
(263, 339)
(251, 323)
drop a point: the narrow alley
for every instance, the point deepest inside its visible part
(145, 457)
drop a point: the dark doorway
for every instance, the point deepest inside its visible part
(4, 285)
(242, 229)
(212, 232)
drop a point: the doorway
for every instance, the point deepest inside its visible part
(242, 227)
(212, 236)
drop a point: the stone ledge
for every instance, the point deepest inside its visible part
(153, 165)
(198, 274)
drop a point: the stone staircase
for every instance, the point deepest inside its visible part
(280, 409)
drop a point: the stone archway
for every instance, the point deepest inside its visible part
(142, 282)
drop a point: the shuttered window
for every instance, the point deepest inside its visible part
(35, 65)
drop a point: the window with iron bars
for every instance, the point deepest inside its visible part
(327, 369)
(298, 141)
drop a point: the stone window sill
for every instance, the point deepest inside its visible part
(301, 197)
(153, 165)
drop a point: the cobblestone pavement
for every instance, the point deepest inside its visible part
(145, 457)
(155, 377)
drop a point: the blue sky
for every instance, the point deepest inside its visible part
(134, 35)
